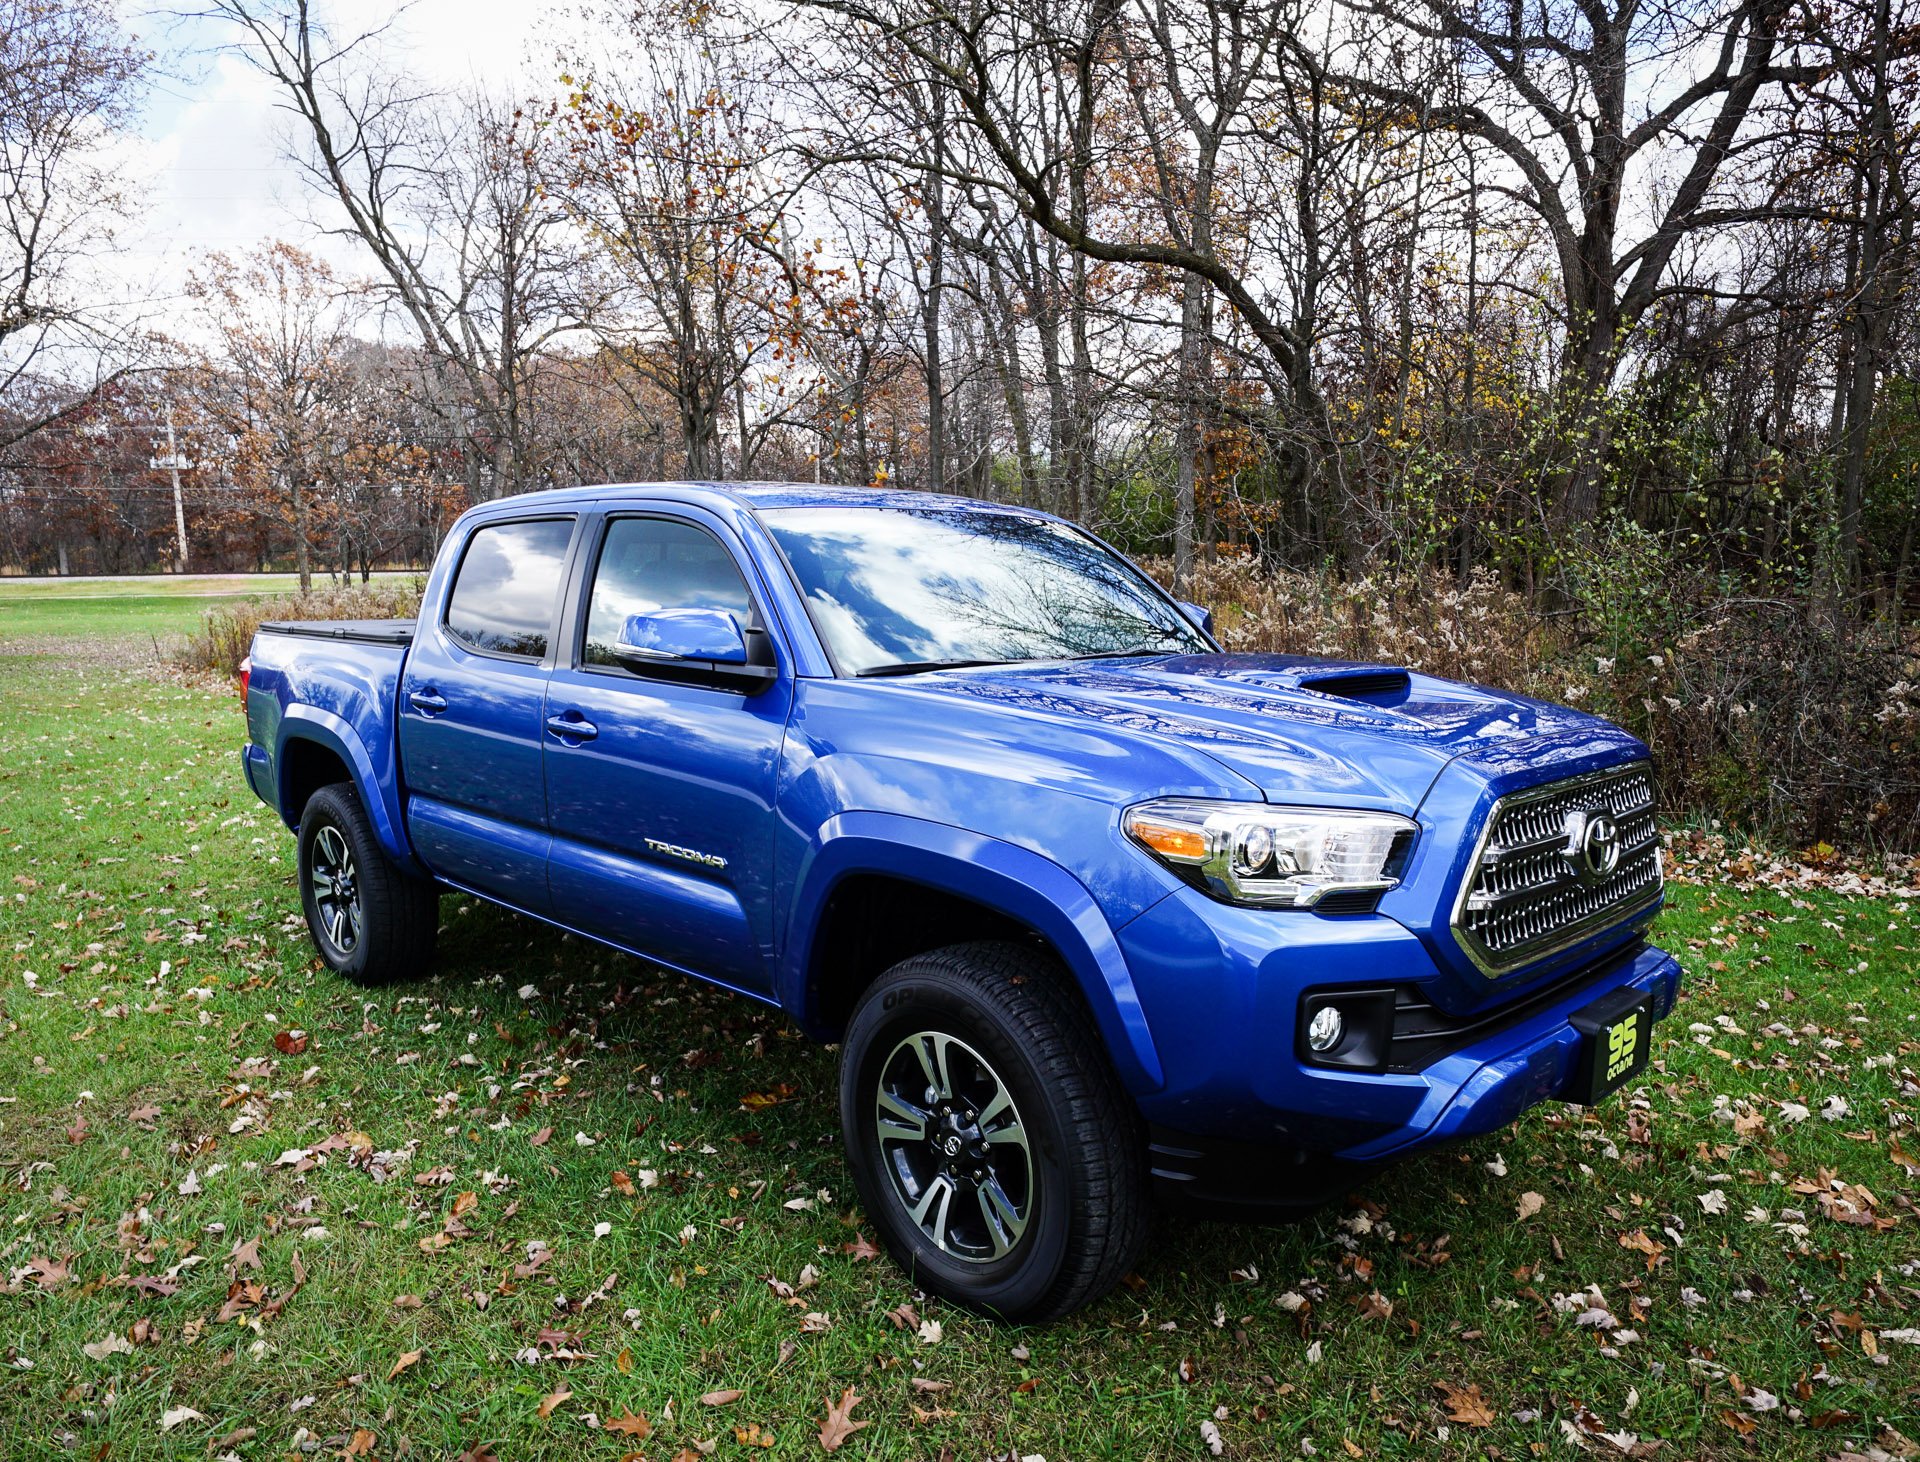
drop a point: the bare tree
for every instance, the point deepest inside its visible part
(445, 192)
(70, 80)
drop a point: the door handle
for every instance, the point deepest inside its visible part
(427, 703)
(572, 727)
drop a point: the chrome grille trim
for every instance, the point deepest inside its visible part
(1522, 900)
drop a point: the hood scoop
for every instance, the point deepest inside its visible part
(1376, 685)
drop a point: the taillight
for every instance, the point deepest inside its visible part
(246, 674)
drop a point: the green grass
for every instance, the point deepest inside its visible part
(146, 606)
(151, 898)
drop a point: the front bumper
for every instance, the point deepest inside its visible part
(1221, 993)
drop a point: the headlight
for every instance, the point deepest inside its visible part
(1280, 857)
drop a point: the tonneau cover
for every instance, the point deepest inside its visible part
(373, 631)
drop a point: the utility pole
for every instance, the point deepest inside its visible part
(179, 506)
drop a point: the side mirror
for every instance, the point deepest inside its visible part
(684, 634)
(705, 643)
(1199, 614)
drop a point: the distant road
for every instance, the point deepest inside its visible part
(123, 586)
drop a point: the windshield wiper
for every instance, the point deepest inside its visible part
(1135, 653)
(914, 667)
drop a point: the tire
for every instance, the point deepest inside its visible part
(371, 922)
(1027, 1209)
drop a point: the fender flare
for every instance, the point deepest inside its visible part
(1022, 884)
(310, 723)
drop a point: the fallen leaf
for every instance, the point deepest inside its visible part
(290, 1043)
(632, 1424)
(753, 1435)
(541, 1138)
(1530, 1204)
(411, 1358)
(861, 1248)
(930, 1332)
(361, 1445)
(109, 1345)
(178, 1416)
(721, 1398)
(479, 1452)
(1464, 1405)
(839, 1423)
(929, 1387)
(553, 1399)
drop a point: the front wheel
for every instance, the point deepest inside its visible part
(989, 1139)
(371, 922)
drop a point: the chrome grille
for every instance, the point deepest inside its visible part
(1533, 889)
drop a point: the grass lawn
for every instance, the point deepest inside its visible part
(136, 610)
(549, 1188)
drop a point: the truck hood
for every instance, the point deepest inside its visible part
(1305, 731)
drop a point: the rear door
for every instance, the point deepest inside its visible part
(660, 788)
(472, 703)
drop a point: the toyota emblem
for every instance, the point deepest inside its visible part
(1593, 845)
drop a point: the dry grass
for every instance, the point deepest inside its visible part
(225, 634)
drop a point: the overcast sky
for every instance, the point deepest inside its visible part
(211, 151)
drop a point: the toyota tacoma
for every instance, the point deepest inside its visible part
(1098, 914)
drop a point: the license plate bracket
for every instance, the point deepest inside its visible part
(1617, 1033)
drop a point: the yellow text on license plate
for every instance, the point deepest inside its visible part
(1623, 1039)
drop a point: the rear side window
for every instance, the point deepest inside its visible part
(508, 588)
(656, 563)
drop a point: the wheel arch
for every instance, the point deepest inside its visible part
(316, 748)
(930, 880)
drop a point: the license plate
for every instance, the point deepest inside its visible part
(1618, 1033)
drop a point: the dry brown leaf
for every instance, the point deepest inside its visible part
(479, 1452)
(555, 1399)
(1530, 1204)
(839, 1423)
(361, 1445)
(411, 1358)
(1464, 1404)
(861, 1248)
(633, 1424)
(721, 1398)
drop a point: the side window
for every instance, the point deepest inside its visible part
(657, 563)
(508, 587)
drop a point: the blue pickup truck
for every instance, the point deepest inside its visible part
(1098, 914)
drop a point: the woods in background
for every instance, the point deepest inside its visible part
(1606, 306)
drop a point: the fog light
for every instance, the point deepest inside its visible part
(1326, 1028)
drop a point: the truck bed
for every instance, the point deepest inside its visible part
(367, 631)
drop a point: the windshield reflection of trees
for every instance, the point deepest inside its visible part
(1018, 589)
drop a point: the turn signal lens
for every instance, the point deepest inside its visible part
(1184, 844)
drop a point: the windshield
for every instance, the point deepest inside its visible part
(894, 590)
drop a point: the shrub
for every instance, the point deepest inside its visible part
(226, 632)
(1768, 714)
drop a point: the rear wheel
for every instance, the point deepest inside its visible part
(371, 922)
(990, 1141)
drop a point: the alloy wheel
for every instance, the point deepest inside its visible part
(336, 891)
(954, 1147)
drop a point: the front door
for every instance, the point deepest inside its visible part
(659, 788)
(471, 708)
